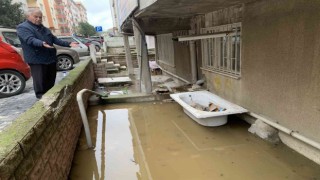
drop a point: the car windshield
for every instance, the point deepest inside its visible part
(12, 38)
(70, 40)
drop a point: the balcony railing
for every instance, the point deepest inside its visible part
(63, 24)
(58, 6)
(61, 16)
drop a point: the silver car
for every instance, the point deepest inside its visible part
(82, 49)
(66, 57)
(87, 42)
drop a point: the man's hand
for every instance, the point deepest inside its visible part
(74, 44)
(46, 45)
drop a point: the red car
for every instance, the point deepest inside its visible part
(14, 72)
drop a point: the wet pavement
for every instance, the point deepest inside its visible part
(157, 140)
(12, 107)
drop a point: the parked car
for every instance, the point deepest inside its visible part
(95, 41)
(82, 50)
(87, 42)
(100, 39)
(14, 72)
(66, 57)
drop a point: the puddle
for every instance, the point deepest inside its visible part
(158, 141)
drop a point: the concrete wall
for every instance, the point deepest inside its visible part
(150, 42)
(165, 50)
(182, 59)
(115, 42)
(285, 61)
(174, 56)
(145, 3)
(280, 77)
(41, 142)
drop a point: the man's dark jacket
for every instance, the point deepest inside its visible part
(32, 37)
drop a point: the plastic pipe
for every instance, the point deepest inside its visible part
(288, 131)
(84, 114)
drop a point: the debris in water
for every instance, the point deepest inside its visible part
(168, 100)
(161, 90)
(194, 87)
(211, 107)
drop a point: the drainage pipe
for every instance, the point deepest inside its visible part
(84, 114)
(288, 131)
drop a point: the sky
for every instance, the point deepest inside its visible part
(99, 13)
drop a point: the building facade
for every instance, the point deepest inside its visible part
(114, 14)
(262, 55)
(82, 12)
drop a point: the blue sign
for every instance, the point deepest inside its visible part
(98, 28)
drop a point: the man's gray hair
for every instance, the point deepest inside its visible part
(31, 11)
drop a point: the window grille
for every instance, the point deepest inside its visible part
(222, 54)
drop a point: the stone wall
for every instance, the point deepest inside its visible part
(40, 144)
(121, 59)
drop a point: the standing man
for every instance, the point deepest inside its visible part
(38, 51)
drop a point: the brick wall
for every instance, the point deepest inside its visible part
(45, 151)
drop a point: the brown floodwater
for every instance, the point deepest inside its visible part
(156, 140)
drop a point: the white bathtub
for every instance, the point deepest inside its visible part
(203, 98)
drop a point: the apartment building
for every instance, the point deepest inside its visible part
(60, 16)
(114, 14)
(82, 12)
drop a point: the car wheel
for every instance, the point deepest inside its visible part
(97, 48)
(11, 83)
(64, 63)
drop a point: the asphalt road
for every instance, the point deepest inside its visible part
(12, 107)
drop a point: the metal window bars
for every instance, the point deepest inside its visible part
(223, 54)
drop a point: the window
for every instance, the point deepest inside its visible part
(12, 38)
(223, 54)
(70, 40)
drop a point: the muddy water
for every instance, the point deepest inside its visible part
(158, 141)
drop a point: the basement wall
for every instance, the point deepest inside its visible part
(174, 56)
(40, 144)
(280, 77)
